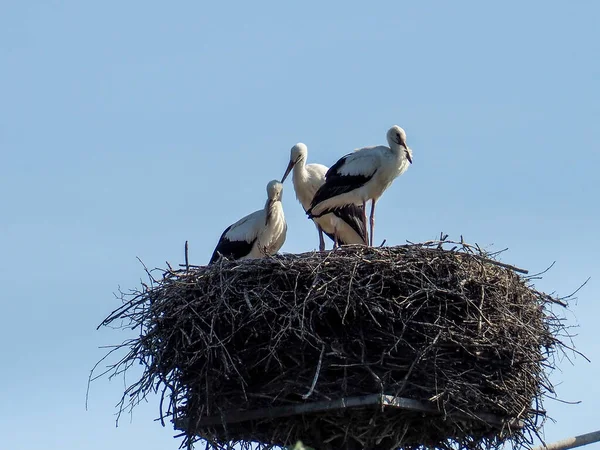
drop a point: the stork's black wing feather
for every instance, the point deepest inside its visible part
(345, 176)
(334, 170)
(337, 185)
(231, 249)
(352, 215)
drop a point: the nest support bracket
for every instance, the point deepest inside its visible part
(381, 400)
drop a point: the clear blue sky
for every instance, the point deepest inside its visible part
(127, 128)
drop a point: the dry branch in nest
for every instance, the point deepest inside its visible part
(464, 337)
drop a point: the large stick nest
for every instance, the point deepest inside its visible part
(453, 329)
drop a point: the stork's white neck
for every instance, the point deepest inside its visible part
(300, 168)
(270, 207)
(272, 237)
(398, 160)
(399, 151)
(394, 146)
(268, 210)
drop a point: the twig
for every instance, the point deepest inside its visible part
(316, 377)
(187, 260)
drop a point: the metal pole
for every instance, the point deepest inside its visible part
(572, 442)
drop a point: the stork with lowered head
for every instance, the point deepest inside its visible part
(258, 234)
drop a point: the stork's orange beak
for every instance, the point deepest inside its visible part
(288, 170)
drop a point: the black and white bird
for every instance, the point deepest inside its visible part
(258, 234)
(362, 176)
(343, 225)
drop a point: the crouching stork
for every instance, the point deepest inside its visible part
(258, 234)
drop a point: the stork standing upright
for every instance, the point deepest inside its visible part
(362, 176)
(343, 225)
(258, 234)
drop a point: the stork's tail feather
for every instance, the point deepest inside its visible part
(352, 216)
(315, 216)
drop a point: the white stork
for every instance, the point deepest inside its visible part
(343, 225)
(362, 176)
(258, 234)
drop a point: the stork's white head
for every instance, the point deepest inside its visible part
(396, 137)
(274, 191)
(297, 153)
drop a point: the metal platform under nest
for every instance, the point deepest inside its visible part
(384, 401)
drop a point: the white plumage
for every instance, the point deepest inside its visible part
(343, 225)
(258, 234)
(362, 176)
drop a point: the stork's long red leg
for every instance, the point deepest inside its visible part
(321, 240)
(372, 220)
(364, 217)
(336, 243)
